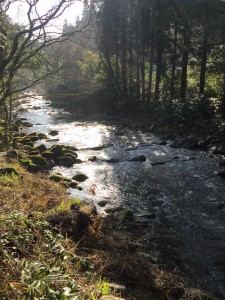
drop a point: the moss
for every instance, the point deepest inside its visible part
(41, 148)
(39, 161)
(58, 178)
(48, 154)
(66, 161)
(80, 177)
(42, 136)
(68, 151)
(56, 149)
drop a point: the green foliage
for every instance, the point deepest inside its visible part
(34, 260)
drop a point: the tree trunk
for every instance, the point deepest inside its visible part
(204, 54)
(150, 75)
(159, 66)
(173, 71)
(183, 88)
(143, 72)
(137, 88)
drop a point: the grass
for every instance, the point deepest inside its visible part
(38, 262)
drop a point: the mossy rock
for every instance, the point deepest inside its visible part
(32, 134)
(53, 132)
(34, 152)
(73, 184)
(25, 162)
(71, 148)
(127, 214)
(32, 168)
(34, 138)
(66, 161)
(26, 124)
(58, 178)
(68, 151)
(24, 141)
(57, 149)
(40, 148)
(80, 177)
(48, 154)
(39, 161)
(74, 159)
(79, 188)
(41, 136)
(15, 128)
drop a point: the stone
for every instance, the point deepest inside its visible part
(112, 160)
(80, 177)
(102, 203)
(32, 168)
(139, 158)
(176, 144)
(39, 161)
(73, 184)
(65, 151)
(92, 158)
(41, 136)
(40, 148)
(65, 161)
(48, 154)
(79, 188)
(56, 149)
(58, 178)
(53, 133)
(221, 173)
(158, 163)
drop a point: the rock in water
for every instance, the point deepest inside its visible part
(80, 177)
(139, 158)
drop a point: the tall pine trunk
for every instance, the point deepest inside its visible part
(204, 54)
(174, 60)
(183, 87)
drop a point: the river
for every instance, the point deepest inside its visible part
(179, 187)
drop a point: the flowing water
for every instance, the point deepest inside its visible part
(180, 187)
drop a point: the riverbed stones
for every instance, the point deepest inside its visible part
(39, 161)
(42, 136)
(73, 184)
(53, 132)
(65, 161)
(80, 177)
(102, 203)
(58, 178)
(40, 148)
(138, 158)
(56, 149)
(48, 154)
(92, 158)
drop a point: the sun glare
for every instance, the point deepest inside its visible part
(18, 12)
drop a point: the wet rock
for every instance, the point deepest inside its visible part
(26, 124)
(80, 177)
(139, 158)
(71, 148)
(162, 143)
(56, 149)
(65, 151)
(92, 158)
(220, 150)
(221, 173)
(48, 154)
(58, 178)
(51, 163)
(158, 163)
(65, 161)
(112, 160)
(119, 133)
(41, 136)
(53, 132)
(39, 161)
(8, 171)
(34, 138)
(79, 188)
(34, 152)
(102, 203)
(112, 210)
(52, 140)
(176, 144)
(36, 107)
(127, 215)
(40, 148)
(73, 184)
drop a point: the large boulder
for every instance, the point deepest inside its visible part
(40, 148)
(48, 154)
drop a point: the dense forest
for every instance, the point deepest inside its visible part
(166, 54)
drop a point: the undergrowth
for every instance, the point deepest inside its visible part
(40, 262)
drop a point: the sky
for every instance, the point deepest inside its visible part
(18, 10)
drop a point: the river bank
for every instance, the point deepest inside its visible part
(161, 191)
